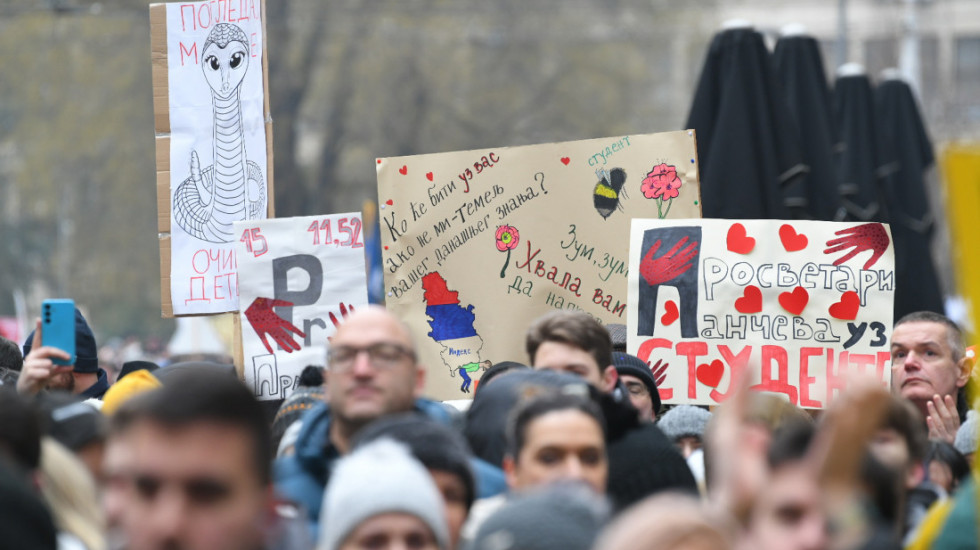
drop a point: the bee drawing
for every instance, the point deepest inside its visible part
(608, 191)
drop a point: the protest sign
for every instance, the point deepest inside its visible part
(298, 278)
(800, 304)
(213, 145)
(477, 244)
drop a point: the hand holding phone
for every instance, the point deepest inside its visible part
(51, 352)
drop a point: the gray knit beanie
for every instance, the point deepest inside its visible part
(966, 436)
(684, 420)
(379, 478)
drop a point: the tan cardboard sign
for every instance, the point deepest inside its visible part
(477, 244)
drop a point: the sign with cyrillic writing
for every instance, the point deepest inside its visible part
(799, 304)
(299, 278)
(477, 244)
(218, 152)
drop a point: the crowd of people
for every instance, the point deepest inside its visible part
(568, 447)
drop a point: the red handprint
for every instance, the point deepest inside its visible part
(659, 372)
(870, 236)
(266, 323)
(344, 312)
(669, 266)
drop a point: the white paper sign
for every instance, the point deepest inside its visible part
(799, 304)
(299, 277)
(218, 163)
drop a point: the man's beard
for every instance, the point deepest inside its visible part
(64, 381)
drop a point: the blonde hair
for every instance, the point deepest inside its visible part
(668, 521)
(70, 493)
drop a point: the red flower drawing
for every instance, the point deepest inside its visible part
(662, 183)
(507, 238)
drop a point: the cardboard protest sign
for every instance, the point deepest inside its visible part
(477, 244)
(298, 277)
(798, 303)
(213, 145)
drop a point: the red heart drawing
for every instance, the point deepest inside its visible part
(565, 160)
(386, 247)
(751, 300)
(671, 315)
(847, 308)
(738, 240)
(403, 170)
(794, 302)
(389, 202)
(379, 161)
(709, 374)
(792, 241)
(429, 176)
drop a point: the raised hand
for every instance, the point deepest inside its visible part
(266, 323)
(943, 421)
(870, 236)
(39, 368)
(669, 266)
(344, 312)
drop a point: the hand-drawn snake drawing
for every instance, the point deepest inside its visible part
(233, 188)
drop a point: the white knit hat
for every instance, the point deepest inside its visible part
(684, 420)
(379, 478)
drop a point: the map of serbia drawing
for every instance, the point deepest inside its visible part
(452, 327)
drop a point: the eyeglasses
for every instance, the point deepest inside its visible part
(382, 355)
(636, 389)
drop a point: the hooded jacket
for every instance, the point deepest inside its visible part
(302, 477)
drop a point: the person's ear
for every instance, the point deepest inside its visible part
(965, 366)
(510, 471)
(609, 377)
(419, 381)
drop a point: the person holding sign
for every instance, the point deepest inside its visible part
(372, 373)
(929, 367)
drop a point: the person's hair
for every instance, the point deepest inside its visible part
(790, 443)
(20, 429)
(947, 454)
(540, 404)
(211, 394)
(903, 417)
(665, 521)
(499, 369)
(954, 335)
(71, 495)
(574, 328)
(436, 446)
(10, 356)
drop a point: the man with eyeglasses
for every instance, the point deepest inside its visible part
(371, 373)
(636, 376)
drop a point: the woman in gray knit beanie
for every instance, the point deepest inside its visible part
(381, 494)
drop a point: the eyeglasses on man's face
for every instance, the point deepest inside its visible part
(383, 355)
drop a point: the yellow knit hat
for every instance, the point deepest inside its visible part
(130, 386)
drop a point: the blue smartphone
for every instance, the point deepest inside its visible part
(58, 328)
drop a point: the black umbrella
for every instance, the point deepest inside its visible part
(862, 163)
(799, 68)
(903, 135)
(747, 145)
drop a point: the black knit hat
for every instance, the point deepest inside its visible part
(634, 366)
(436, 446)
(86, 352)
(133, 366)
(643, 462)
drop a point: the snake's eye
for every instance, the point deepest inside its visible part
(213, 62)
(236, 59)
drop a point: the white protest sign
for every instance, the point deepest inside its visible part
(298, 278)
(800, 304)
(218, 161)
